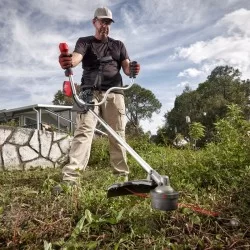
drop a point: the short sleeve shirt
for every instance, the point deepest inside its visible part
(92, 51)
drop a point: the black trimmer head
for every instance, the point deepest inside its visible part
(162, 197)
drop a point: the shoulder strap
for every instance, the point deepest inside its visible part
(90, 46)
(111, 48)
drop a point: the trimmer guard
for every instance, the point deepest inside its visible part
(131, 188)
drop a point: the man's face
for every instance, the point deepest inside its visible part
(102, 26)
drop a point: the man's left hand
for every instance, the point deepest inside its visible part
(134, 69)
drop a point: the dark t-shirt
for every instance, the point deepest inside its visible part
(93, 50)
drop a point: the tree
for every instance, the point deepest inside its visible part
(141, 103)
(208, 103)
(225, 72)
(187, 104)
(223, 87)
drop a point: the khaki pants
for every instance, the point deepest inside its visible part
(113, 112)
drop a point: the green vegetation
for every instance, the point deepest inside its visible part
(213, 208)
(11, 123)
(207, 104)
(196, 132)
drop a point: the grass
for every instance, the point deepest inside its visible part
(213, 211)
(32, 218)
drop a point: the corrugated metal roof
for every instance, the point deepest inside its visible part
(31, 107)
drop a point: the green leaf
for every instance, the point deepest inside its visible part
(47, 245)
(112, 221)
(118, 244)
(79, 226)
(119, 216)
(186, 210)
(218, 236)
(196, 219)
(92, 245)
(88, 216)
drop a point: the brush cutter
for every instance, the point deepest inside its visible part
(163, 196)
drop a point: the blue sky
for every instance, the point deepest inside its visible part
(177, 43)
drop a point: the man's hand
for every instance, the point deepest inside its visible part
(65, 61)
(134, 69)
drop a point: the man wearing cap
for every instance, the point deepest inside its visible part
(102, 58)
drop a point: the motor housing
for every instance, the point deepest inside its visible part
(164, 198)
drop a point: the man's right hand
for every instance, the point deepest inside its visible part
(65, 61)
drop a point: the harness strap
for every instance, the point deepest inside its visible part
(102, 61)
(98, 79)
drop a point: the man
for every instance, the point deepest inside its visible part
(102, 58)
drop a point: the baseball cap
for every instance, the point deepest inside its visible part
(103, 13)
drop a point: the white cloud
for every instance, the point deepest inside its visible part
(206, 35)
(71, 11)
(191, 72)
(237, 22)
(232, 49)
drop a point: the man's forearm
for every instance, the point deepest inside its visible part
(125, 67)
(76, 59)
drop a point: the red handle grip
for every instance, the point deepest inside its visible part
(64, 48)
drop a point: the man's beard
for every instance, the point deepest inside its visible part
(103, 32)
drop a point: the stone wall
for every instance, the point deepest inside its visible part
(22, 148)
